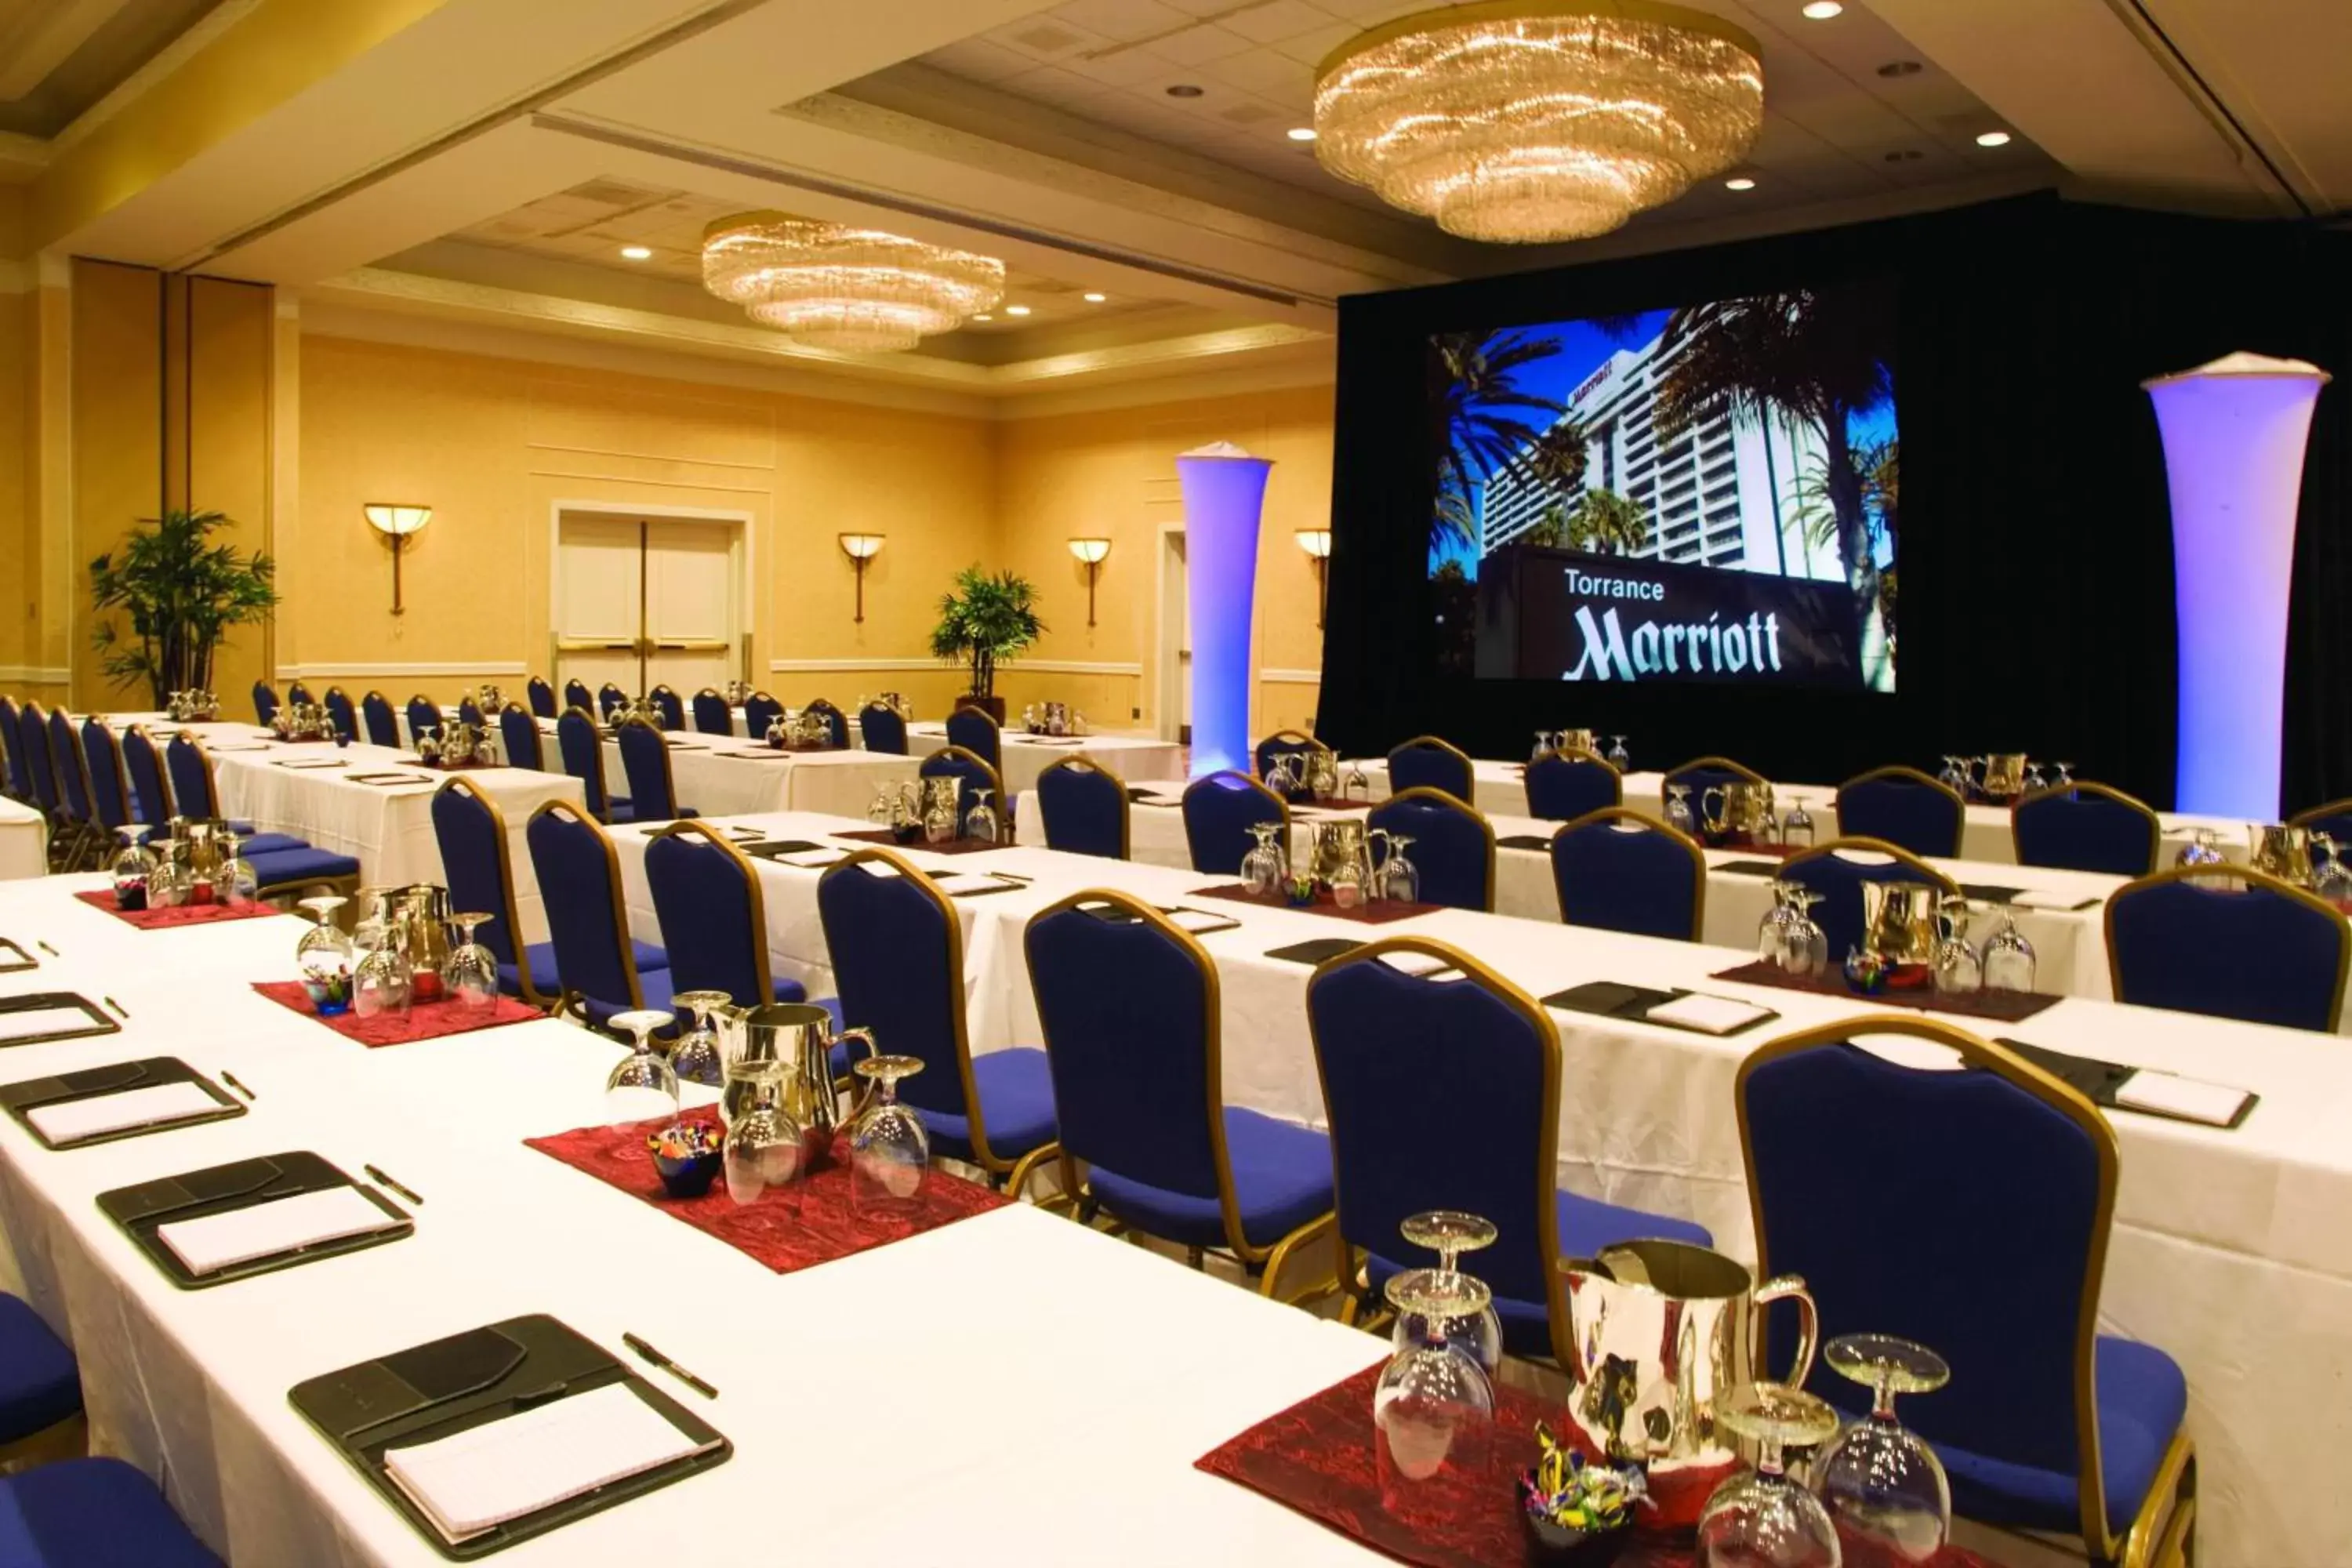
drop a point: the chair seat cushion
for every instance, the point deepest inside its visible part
(547, 980)
(620, 808)
(1016, 1105)
(1586, 1225)
(656, 987)
(291, 868)
(270, 844)
(1282, 1178)
(2143, 1399)
(92, 1513)
(39, 1384)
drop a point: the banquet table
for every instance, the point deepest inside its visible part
(2228, 1249)
(23, 841)
(1136, 759)
(719, 777)
(1067, 1340)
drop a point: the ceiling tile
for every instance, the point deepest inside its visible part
(1278, 19)
(1262, 70)
(1196, 45)
(1123, 20)
(1064, 88)
(1309, 47)
(1045, 37)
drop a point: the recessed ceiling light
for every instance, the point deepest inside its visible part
(1184, 90)
(1096, 299)
(983, 318)
(1016, 310)
(1739, 182)
(1901, 68)
(636, 253)
(1301, 133)
(1822, 10)
(1993, 139)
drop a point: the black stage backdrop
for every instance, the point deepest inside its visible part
(2035, 554)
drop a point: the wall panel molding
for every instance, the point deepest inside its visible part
(1040, 666)
(317, 669)
(1292, 676)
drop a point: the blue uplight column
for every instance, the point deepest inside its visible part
(2233, 441)
(1225, 489)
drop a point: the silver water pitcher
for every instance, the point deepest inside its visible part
(1659, 1331)
(1343, 845)
(2282, 850)
(781, 1055)
(1898, 921)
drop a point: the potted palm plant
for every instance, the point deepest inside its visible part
(179, 592)
(985, 619)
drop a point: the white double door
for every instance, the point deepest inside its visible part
(648, 601)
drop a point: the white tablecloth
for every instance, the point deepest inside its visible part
(23, 841)
(730, 778)
(1136, 759)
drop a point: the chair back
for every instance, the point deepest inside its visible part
(1394, 1051)
(12, 739)
(1833, 873)
(582, 751)
(1426, 762)
(760, 710)
(110, 786)
(472, 833)
(383, 726)
(1703, 773)
(518, 736)
(1568, 784)
(670, 705)
(713, 714)
(954, 761)
(423, 718)
(1904, 807)
(1219, 809)
(1616, 869)
(577, 695)
(1814, 1110)
(34, 727)
(896, 947)
(470, 712)
(880, 728)
(191, 768)
(2334, 819)
(836, 725)
(298, 692)
(1283, 743)
(713, 919)
(977, 733)
(1453, 846)
(580, 883)
(151, 796)
(342, 713)
(645, 760)
(2228, 941)
(265, 703)
(541, 697)
(1130, 1011)
(73, 772)
(2088, 827)
(610, 699)
(1084, 804)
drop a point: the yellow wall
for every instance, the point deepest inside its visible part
(19, 430)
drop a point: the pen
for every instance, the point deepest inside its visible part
(669, 1366)
(118, 1006)
(378, 1175)
(45, 947)
(230, 1078)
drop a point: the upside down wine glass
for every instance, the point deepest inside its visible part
(888, 1149)
(1434, 1406)
(324, 956)
(643, 1085)
(1449, 1233)
(1878, 1479)
(1761, 1517)
(697, 1058)
(472, 971)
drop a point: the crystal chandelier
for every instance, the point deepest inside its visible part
(834, 287)
(1523, 120)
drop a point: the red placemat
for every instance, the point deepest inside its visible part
(2004, 1006)
(184, 915)
(1316, 1458)
(953, 846)
(810, 1223)
(425, 1020)
(1379, 912)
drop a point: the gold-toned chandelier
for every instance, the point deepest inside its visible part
(831, 286)
(1523, 120)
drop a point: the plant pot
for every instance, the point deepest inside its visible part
(992, 706)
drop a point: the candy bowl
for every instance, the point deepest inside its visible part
(687, 1153)
(1577, 1512)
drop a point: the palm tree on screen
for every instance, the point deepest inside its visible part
(1478, 432)
(1608, 523)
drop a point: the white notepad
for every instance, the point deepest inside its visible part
(503, 1470)
(73, 1119)
(1420, 966)
(813, 859)
(36, 1021)
(1196, 919)
(2035, 899)
(954, 882)
(1708, 1015)
(219, 1241)
(2189, 1098)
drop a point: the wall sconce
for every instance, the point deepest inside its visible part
(861, 548)
(397, 522)
(1317, 542)
(1091, 551)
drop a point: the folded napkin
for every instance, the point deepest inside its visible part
(2189, 1099)
(263, 1230)
(72, 1119)
(485, 1476)
(1707, 1015)
(813, 859)
(1198, 921)
(956, 883)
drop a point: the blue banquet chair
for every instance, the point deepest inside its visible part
(2047, 1424)
(610, 699)
(576, 695)
(2085, 827)
(1426, 762)
(423, 718)
(518, 738)
(297, 692)
(92, 1513)
(597, 964)
(836, 723)
(341, 713)
(879, 729)
(645, 759)
(1904, 807)
(670, 705)
(265, 703)
(1704, 774)
(470, 712)
(713, 714)
(12, 739)
(471, 832)
(978, 733)
(2228, 941)
(714, 922)
(383, 726)
(1453, 846)
(1617, 870)
(109, 780)
(34, 729)
(760, 710)
(2334, 819)
(1130, 1010)
(1397, 1055)
(150, 797)
(1566, 785)
(1286, 743)
(541, 697)
(896, 947)
(954, 761)
(1833, 872)
(1084, 807)
(80, 838)
(1219, 809)
(281, 862)
(583, 751)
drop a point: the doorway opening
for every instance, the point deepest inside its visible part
(645, 597)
